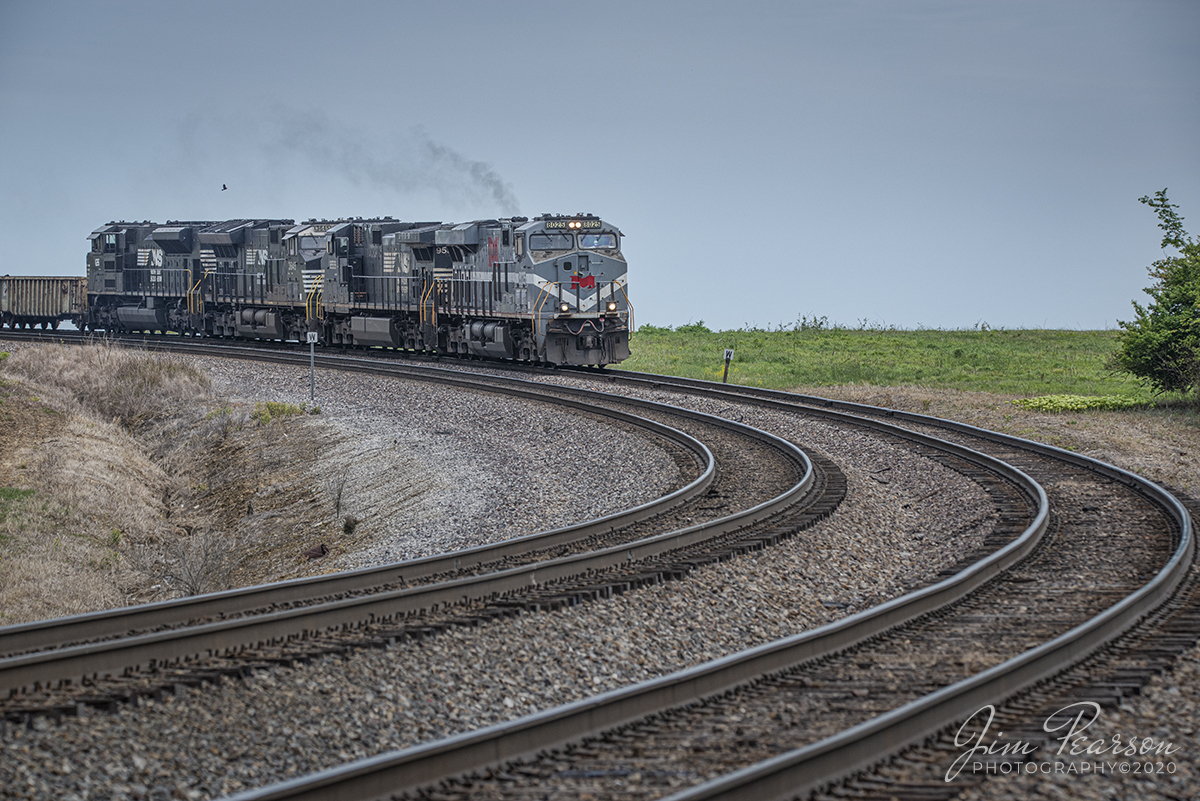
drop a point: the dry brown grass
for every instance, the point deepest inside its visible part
(92, 490)
(111, 383)
(127, 482)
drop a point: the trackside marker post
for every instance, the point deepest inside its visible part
(312, 366)
(728, 359)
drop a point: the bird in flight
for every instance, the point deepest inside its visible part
(223, 187)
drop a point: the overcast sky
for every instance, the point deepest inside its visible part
(905, 163)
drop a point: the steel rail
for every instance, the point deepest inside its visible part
(810, 767)
(111, 622)
(412, 768)
(803, 770)
(868, 416)
(70, 663)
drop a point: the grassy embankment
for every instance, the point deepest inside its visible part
(1020, 362)
(122, 479)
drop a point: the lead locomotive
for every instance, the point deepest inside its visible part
(551, 289)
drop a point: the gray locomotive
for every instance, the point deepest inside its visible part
(551, 289)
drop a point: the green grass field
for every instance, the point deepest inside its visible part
(1018, 362)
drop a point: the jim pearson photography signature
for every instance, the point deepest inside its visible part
(1116, 753)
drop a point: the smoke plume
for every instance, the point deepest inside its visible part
(409, 163)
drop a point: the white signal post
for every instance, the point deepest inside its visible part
(728, 359)
(312, 366)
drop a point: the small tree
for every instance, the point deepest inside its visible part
(1162, 344)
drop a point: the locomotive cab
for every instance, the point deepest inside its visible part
(581, 305)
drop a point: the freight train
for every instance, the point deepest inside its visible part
(552, 289)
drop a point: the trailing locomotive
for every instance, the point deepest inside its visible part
(550, 289)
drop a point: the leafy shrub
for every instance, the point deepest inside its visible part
(1161, 345)
(1076, 403)
(267, 411)
(815, 323)
(653, 330)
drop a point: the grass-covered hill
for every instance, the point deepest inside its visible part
(1011, 362)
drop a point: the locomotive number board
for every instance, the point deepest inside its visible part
(572, 224)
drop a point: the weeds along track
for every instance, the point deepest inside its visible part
(719, 512)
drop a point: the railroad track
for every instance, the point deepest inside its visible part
(880, 666)
(853, 705)
(61, 632)
(717, 514)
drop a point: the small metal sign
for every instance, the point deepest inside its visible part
(728, 359)
(312, 338)
(729, 354)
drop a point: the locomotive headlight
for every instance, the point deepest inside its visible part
(612, 305)
(564, 308)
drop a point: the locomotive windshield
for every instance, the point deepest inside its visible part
(551, 242)
(598, 241)
(311, 246)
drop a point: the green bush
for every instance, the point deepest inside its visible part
(1076, 403)
(1161, 346)
(267, 411)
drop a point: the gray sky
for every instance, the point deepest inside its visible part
(907, 163)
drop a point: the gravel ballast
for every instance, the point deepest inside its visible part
(431, 469)
(905, 517)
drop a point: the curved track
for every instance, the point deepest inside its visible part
(701, 735)
(864, 687)
(623, 550)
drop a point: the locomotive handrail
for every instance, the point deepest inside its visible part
(536, 316)
(312, 299)
(195, 302)
(390, 289)
(628, 305)
(430, 318)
